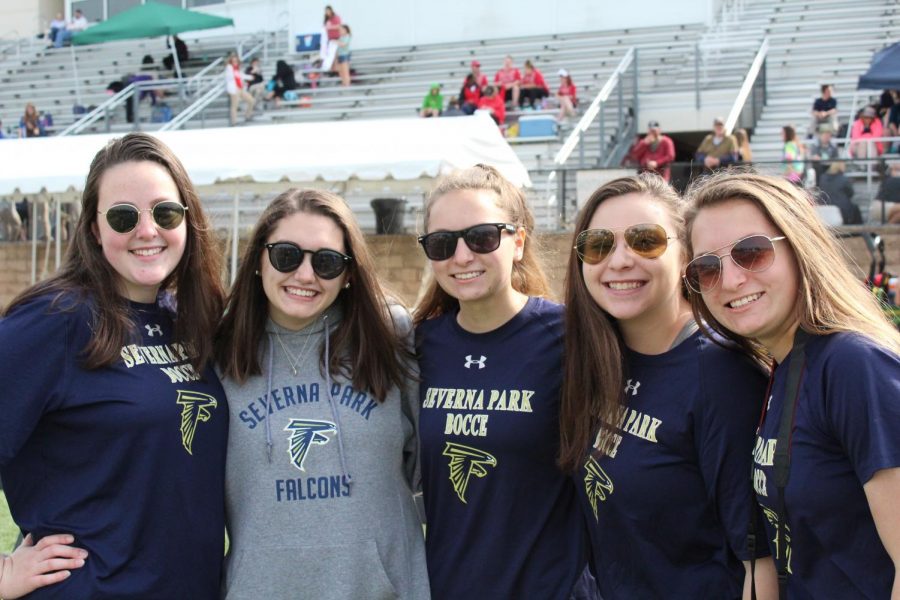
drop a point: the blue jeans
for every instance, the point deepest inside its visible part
(62, 36)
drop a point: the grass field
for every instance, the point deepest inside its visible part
(8, 530)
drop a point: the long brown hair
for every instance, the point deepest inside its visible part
(86, 272)
(364, 345)
(594, 350)
(527, 275)
(830, 297)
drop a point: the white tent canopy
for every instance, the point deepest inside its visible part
(399, 149)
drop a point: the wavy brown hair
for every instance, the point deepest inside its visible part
(830, 297)
(365, 346)
(87, 274)
(527, 275)
(594, 368)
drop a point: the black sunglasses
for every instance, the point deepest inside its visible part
(482, 239)
(288, 256)
(648, 240)
(754, 253)
(123, 218)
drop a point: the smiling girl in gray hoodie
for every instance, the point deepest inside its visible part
(322, 457)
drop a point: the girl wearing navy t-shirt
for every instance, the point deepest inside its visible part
(767, 274)
(114, 428)
(502, 518)
(657, 420)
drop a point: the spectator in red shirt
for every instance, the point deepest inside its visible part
(533, 87)
(492, 101)
(469, 95)
(508, 80)
(567, 96)
(480, 78)
(332, 24)
(655, 152)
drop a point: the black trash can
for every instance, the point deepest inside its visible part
(388, 215)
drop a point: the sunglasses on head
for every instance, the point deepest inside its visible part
(482, 239)
(288, 256)
(647, 240)
(123, 218)
(753, 253)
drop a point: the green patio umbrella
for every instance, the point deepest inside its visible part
(148, 20)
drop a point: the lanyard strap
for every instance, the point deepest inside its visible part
(782, 459)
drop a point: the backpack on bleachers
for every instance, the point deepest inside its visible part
(162, 113)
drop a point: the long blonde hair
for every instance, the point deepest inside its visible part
(830, 297)
(527, 275)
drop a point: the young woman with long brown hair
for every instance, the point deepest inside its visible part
(114, 426)
(502, 518)
(769, 275)
(657, 420)
(322, 454)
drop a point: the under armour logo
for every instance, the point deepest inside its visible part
(632, 387)
(152, 330)
(470, 361)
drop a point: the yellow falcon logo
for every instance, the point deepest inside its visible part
(597, 484)
(305, 432)
(195, 407)
(466, 461)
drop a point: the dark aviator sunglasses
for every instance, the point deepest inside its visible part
(288, 256)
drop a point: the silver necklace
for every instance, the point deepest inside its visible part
(292, 361)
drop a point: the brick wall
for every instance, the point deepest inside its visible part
(399, 261)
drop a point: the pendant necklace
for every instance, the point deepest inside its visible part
(292, 361)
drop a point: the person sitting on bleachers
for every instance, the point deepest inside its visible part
(823, 151)
(824, 110)
(78, 23)
(508, 80)
(567, 95)
(283, 81)
(533, 88)
(745, 154)
(469, 95)
(717, 149)
(256, 85)
(480, 78)
(837, 190)
(493, 102)
(30, 124)
(181, 51)
(433, 103)
(893, 121)
(867, 126)
(453, 109)
(655, 152)
(56, 25)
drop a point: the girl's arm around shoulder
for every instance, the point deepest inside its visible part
(33, 566)
(882, 492)
(409, 398)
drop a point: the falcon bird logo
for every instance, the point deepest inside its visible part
(303, 433)
(597, 484)
(195, 408)
(466, 461)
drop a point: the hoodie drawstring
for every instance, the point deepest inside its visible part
(334, 412)
(269, 444)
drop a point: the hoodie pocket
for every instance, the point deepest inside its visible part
(314, 571)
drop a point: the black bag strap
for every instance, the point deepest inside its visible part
(782, 459)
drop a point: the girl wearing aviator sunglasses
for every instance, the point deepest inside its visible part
(322, 452)
(502, 517)
(114, 426)
(659, 459)
(767, 274)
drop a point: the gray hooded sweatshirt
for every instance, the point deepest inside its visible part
(319, 486)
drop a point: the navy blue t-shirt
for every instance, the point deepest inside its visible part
(670, 503)
(846, 427)
(129, 458)
(821, 105)
(503, 520)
